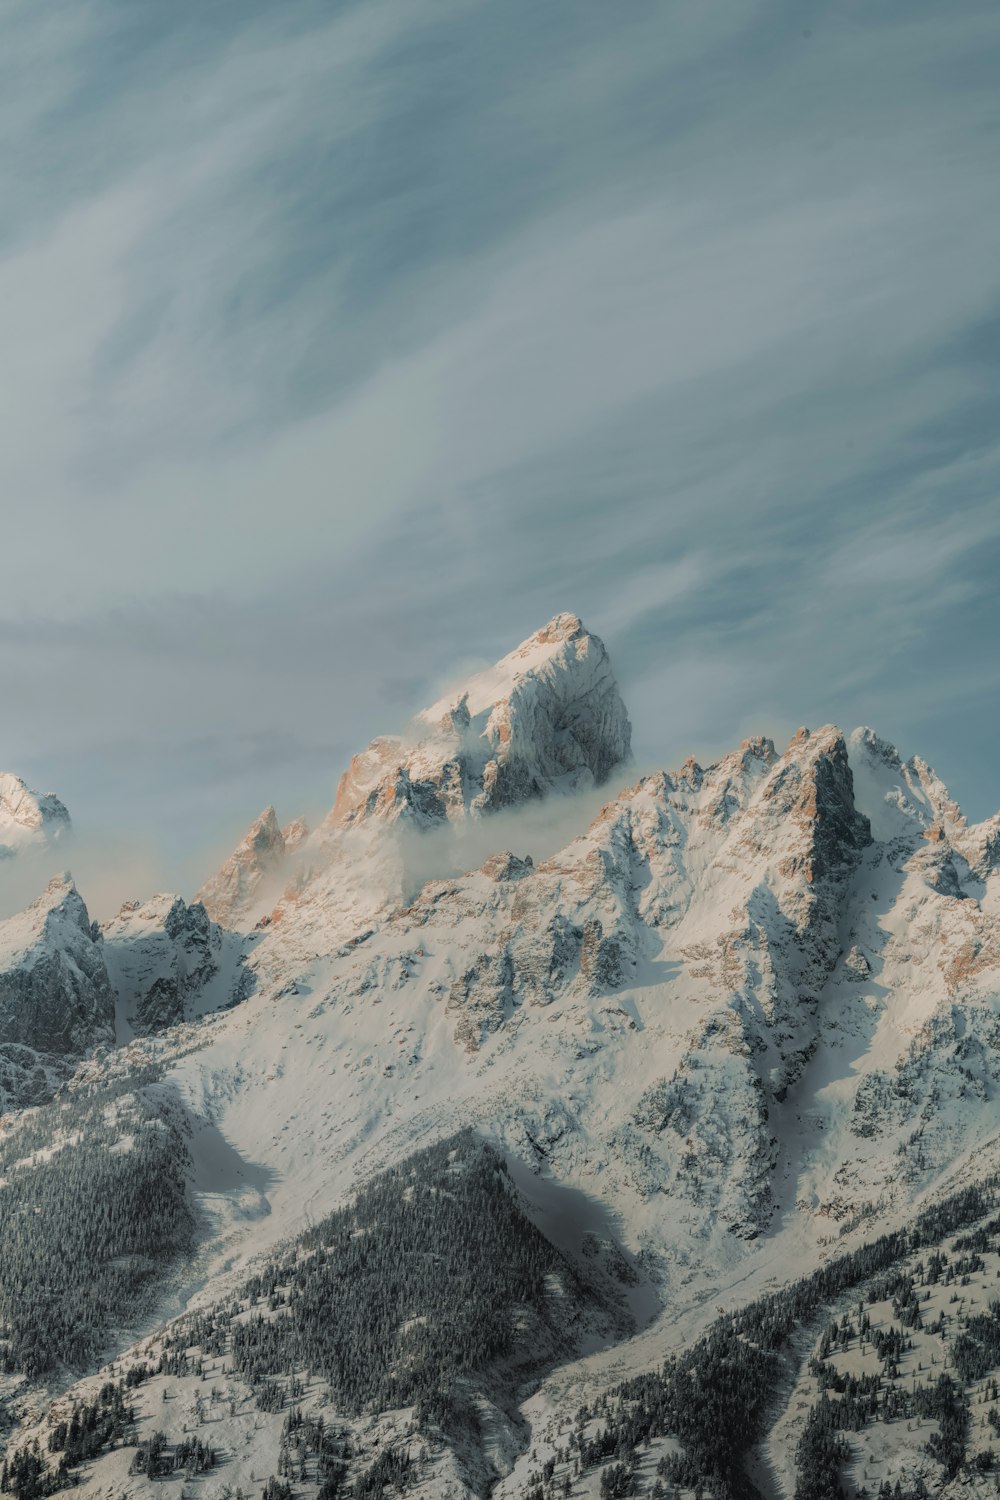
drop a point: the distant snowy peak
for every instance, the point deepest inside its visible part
(294, 834)
(28, 819)
(547, 717)
(251, 877)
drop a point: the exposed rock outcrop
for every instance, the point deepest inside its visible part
(251, 878)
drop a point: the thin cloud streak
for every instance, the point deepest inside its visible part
(346, 347)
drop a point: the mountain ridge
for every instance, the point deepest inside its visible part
(746, 1010)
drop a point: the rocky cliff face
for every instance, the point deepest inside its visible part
(28, 819)
(252, 876)
(55, 995)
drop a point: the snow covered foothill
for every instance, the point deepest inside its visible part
(948, 1303)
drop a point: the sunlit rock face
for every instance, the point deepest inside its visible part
(252, 874)
(29, 820)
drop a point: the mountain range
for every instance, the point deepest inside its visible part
(674, 1041)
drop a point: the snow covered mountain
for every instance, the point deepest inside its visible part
(746, 1012)
(725, 965)
(168, 963)
(547, 717)
(28, 819)
(69, 986)
(53, 982)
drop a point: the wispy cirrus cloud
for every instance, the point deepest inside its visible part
(345, 343)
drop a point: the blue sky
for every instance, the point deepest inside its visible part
(345, 344)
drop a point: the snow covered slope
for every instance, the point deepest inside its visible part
(750, 1000)
(28, 819)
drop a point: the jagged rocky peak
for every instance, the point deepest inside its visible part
(55, 994)
(165, 959)
(60, 902)
(507, 866)
(251, 877)
(547, 717)
(295, 833)
(907, 803)
(28, 819)
(812, 786)
(798, 806)
(725, 786)
(166, 913)
(902, 799)
(982, 846)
